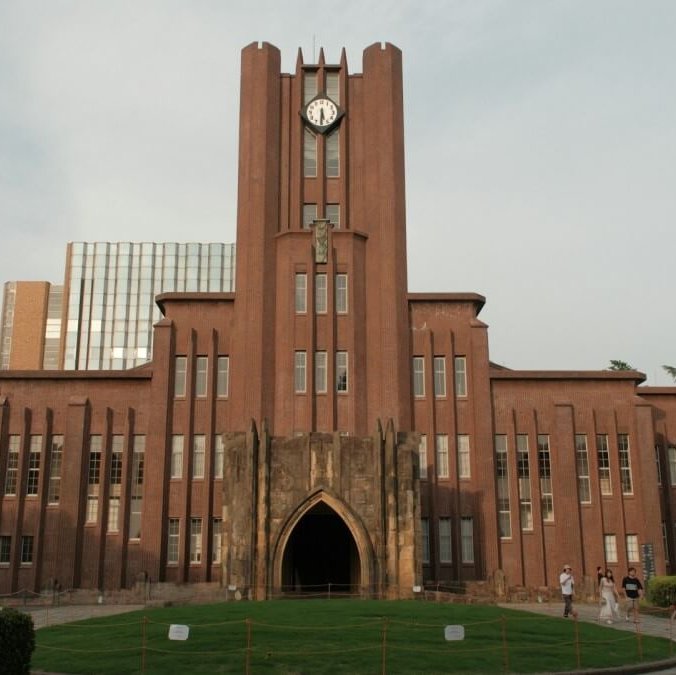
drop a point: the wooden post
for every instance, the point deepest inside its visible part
(384, 647)
(247, 664)
(577, 641)
(505, 646)
(143, 644)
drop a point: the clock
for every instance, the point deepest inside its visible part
(322, 113)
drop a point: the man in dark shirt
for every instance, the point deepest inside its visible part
(633, 590)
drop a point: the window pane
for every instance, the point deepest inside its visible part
(445, 540)
(300, 363)
(341, 293)
(418, 376)
(320, 294)
(332, 86)
(219, 455)
(195, 540)
(439, 376)
(425, 525)
(545, 475)
(460, 366)
(309, 215)
(603, 455)
(173, 541)
(422, 458)
(216, 540)
(467, 538)
(198, 454)
(333, 214)
(442, 455)
(582, 464)
(201, 376)
(222, 376)
(321, 385)
(309, 154)
(177, 456)
(341, 371)
(179, 375)
(502, 471)
(333, 154)
(464, 470)
(301, 293)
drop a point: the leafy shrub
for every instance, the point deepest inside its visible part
(661, 591)
(17, 641)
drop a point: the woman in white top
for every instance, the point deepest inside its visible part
(609, 598)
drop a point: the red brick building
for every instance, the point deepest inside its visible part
(321, 425)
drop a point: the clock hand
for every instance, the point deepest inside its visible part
(321, 115)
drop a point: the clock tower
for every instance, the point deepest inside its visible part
(321, 314)
(322, 487)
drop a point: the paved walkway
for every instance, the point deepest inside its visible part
(49, 616)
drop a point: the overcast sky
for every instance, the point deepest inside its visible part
(540, 148)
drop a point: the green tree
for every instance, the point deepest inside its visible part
(619, 365)
(671, 370)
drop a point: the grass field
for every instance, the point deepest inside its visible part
(336, 636)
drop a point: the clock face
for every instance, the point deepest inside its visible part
(321, 112)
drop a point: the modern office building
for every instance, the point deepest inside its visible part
(103, 315)
(320, 424)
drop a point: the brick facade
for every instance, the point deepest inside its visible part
(274, 442)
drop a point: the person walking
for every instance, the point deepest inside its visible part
(609, 598)
(567, 584)
(633, 591)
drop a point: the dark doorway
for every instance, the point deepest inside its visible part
(321, 555)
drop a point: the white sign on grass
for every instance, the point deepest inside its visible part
(178, 631)
(454, 633)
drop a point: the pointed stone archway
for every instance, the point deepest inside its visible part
(323, 545)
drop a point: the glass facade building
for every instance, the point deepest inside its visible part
(111, 287)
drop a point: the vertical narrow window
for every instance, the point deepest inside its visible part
(658, 465)
(467, 539)
(299, 372)
(177, 456)
(33, 478)
(180, 365)
(321, 295)
(439, 376)
(136, 498)
(425, 526)
(582, 465)
(502, 471)
(464, 467)
(301, 293)
(309, 86)
(115, 490)
(55, 462)
(442, 455)
(219, 455)
(418, 377)
(222, 376)
(632, 548)
(422, 458)
(201, 363)
(12, 475)
(27, 550)
(309, 155)
(610, 547)
(460, 368)
(198, 454)
(216, 540)
(523, 468)
(341, 371)
(604, 464)
(341, 293)
(333, 86)
(5, 549)
(321, 374)
(671, 453)
(195, 540)
(625, 464)
(173, 541)
(333, 214)
(445, 548)
(333, 154)
(309, 215)
(94, 479)
(545, 471)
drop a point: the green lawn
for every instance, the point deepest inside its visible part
(336, 636)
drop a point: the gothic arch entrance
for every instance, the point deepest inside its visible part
(318, 550)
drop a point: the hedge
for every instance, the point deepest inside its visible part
(661, 591)
(17, 641)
